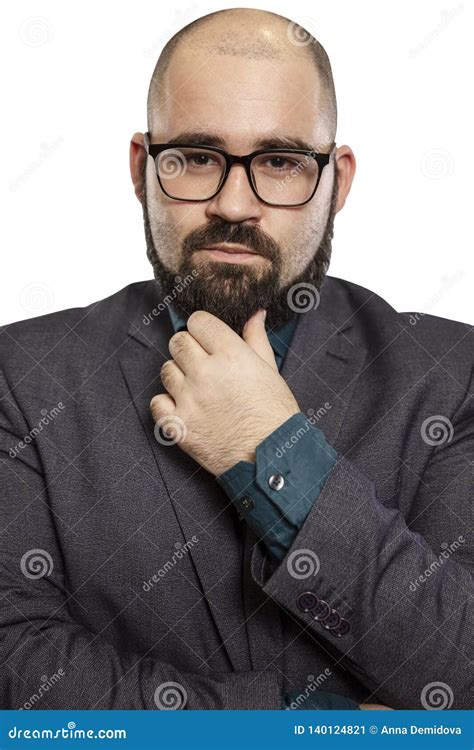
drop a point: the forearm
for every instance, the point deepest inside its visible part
(89, 673)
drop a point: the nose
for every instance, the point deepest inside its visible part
(236, 201)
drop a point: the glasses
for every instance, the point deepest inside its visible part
(190, 172)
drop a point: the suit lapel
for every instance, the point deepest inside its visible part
(324, 360)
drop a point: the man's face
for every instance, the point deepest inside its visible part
(243, 102)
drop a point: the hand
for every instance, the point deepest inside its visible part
(225, 392)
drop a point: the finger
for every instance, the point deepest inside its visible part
(211, 332)
(172, 377)
(169, 428)
(162, 406)
(255, 335)
(186, 351)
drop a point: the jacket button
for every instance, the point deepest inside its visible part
(342, 628)
(332, 621)
(306, 601)
(321, 611)
(276, 482)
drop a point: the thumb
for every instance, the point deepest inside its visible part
(255, 335)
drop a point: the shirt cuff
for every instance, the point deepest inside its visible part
(276, 493)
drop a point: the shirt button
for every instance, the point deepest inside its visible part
(276, 481)
(247, 503)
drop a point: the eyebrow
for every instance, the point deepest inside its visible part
(199, 138)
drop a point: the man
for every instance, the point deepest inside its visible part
(276, 515)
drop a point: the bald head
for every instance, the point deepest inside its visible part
(253, 35)
(247, 83)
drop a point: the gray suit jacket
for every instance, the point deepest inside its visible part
(126, 571)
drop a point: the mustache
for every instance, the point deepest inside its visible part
(218, 231)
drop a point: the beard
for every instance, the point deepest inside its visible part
(233, 292)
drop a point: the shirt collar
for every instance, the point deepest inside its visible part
(279, 338)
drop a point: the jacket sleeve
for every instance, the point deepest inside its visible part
(39, 639)
(363, 580)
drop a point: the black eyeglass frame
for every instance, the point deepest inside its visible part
(154, 149)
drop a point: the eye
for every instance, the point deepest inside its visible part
(201, 159)
(278, 162)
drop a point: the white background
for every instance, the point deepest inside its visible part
(75, 80)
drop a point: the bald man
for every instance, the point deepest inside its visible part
(252, 475)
